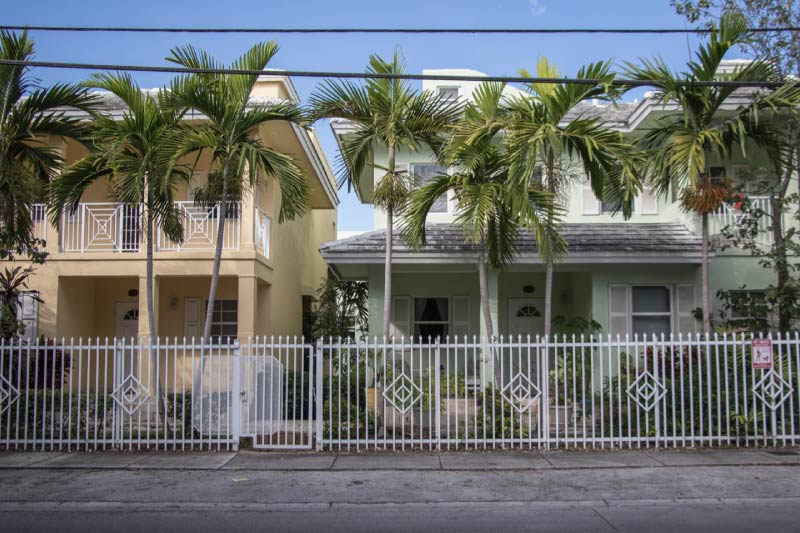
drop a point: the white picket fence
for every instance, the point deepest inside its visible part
(575, 392)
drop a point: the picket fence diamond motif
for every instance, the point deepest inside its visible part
(772, 389)
(520, 391)
(403, 393)
(646, 390)
(131, 394)
(8, 394)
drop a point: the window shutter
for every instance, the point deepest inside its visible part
(460, 316)
(29, 314)
(647, 202)
(401, 316)
(619, 309)
(193, 318)
(591, 205)
(684, 306)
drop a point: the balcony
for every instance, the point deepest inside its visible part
(728, 215)
(119, 228)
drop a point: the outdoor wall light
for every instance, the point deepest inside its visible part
(133, 292)
(528, 289)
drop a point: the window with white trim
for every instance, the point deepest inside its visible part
(651, 309)
(425, 172)
(431, 318)
(747, 305)
(224, 320)
(448, 94)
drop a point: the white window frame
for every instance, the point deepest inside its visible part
(220, 324)
(670, 299)
(730, 311)
(590, 204)
(447, 198)
(447, 323)
(442, 88)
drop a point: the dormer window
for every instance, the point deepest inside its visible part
(448, 93)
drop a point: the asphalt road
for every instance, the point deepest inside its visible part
(616, 492)
(745, 515)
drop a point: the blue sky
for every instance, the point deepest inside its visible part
(491, 54)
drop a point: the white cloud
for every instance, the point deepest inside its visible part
(537, 8)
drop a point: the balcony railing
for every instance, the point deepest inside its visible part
(102, 227)
(262, 232)
(200, 227)
(116, 227)
(729, 215)
(39, 221)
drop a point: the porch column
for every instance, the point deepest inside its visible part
(247, 220)
(144, 315)
(375, 284)
(247, 307)
(487, 361)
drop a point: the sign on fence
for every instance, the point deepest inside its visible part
(762, 353)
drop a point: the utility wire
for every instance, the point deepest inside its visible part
(127, 29)
(363, 75)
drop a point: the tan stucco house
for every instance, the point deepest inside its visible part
(93, 283)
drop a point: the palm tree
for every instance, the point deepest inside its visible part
(28, 115)
(488, 206)
(229, 135)
(388, 113)
(540, 142)
(133, 153)
(680, 146)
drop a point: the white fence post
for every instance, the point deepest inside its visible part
(318, 390)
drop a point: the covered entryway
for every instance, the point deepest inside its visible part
(525, 316)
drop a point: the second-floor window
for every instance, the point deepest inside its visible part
(448, 93)
(423, 173)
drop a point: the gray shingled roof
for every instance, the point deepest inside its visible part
(603, 239)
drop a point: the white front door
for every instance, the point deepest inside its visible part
(127, 314)
(525, 316)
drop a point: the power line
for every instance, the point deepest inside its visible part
(133, 29)
(363, 75)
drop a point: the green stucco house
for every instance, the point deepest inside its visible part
(635, 276)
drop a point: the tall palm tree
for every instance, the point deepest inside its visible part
(491, 210)
(229, 135)
(133, 153)
(28, 115)
(387, 113)
(541, 141)
(681, 146)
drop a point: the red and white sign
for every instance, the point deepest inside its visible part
(762, 353)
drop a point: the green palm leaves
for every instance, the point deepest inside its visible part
(709, 125)
(29, 116)
(229, 137)
(385, 113)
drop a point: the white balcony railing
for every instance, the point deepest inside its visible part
(729, 215)
(200, 227)
(262, 221)
(102, 227)
(116, 227)
(39, 221)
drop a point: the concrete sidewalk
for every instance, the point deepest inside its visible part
(368, 461)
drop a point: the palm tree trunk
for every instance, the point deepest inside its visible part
(151, 319)
(387, 268)
(212, 291)
(387, 273)
(151, 315)
(704, 274)
(483, 283)
(548, 277)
